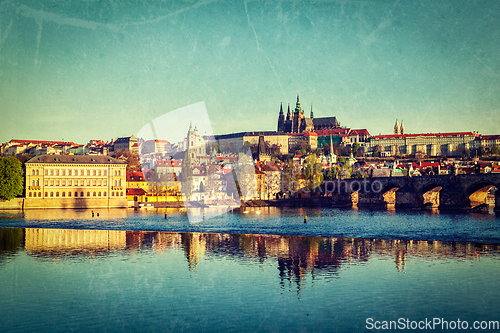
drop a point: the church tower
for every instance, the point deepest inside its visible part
(402, 128)
(397, 130)
(312, 114)
(281, 120)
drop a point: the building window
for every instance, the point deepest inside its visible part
(69, 194)
(100, 172)
(63, 194)
(69, 172)
(81, 194)
(63, 172)
(116, 173)
(57, 194)
(39, 194)
(57, 182)
(32, 183)
(81, 172)
(88, 182)
(95, 173)
(46, 194)
(63, 182)
(104, 173)
(51, 194)
(46, 182)
(88, 194)
(76, 194)
(81, 182)
(57, 172)
(105, 182)
(69, 182)
(33, 172)
(121, 194)
(93, 182)
(112, 194)
(94, 194)
(88, 172)
(99, 194)
(99, 182)
(46, 172)
(37, 172)
(119, 173)
(52, 182)
(104, 194)
(51, 172)
(30, 194)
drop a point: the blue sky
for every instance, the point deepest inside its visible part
(81, 70)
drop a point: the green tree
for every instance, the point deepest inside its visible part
(357, 174)
(187, 176)
(11, 178)
(313, 172)
(495, 150)
(355, 147)
(326, 149)
(131, 158)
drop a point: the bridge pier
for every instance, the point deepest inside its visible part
(497, 201)
(454, 199)
(407, 197)
(371, 200)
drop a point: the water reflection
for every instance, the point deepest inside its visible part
(296, 257)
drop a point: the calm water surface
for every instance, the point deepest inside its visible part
(65, 271)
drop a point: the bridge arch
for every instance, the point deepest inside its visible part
(477, 193)
(388, 193)
(429, 195)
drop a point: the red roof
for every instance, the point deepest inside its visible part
(135, 176)
(336, 131)
(135, 191)
(40, 142)
(490, 137)
(391, 136)
(360, 132)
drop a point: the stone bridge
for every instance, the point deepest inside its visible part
(439, 191)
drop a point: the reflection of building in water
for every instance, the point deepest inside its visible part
(61, 241)
(194, 245)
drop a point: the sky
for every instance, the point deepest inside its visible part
(82, 70)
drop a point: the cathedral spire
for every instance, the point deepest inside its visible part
(297, 105)
(288, 117)
(396, 128)
(402, 128)
(312, 114)
(281, 109)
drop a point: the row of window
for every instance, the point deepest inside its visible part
(76, 194)
(70, 172)
(71, 182)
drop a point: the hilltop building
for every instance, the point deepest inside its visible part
(297, 122)
(429, 144)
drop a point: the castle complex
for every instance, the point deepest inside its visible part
(297, 122)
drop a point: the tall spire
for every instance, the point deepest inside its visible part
(281, 120)
(312, 114)
(297, 105)
(396, 128)
(402, 128)
(288, 117)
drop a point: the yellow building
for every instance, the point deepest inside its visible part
(75, 181)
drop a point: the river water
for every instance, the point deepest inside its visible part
(259, 270)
